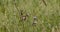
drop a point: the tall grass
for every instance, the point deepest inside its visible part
(48, 16)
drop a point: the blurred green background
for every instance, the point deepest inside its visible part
(48, 17)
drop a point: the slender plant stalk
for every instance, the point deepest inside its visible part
(44, 2)
(23, 26)
(21, 14)
(16, 5)
(34, 26)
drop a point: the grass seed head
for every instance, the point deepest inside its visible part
(35, 17)
(23, 17)
(34, 22)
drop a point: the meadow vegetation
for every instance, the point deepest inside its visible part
(46, 14)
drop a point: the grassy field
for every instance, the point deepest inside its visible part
(46, 12)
